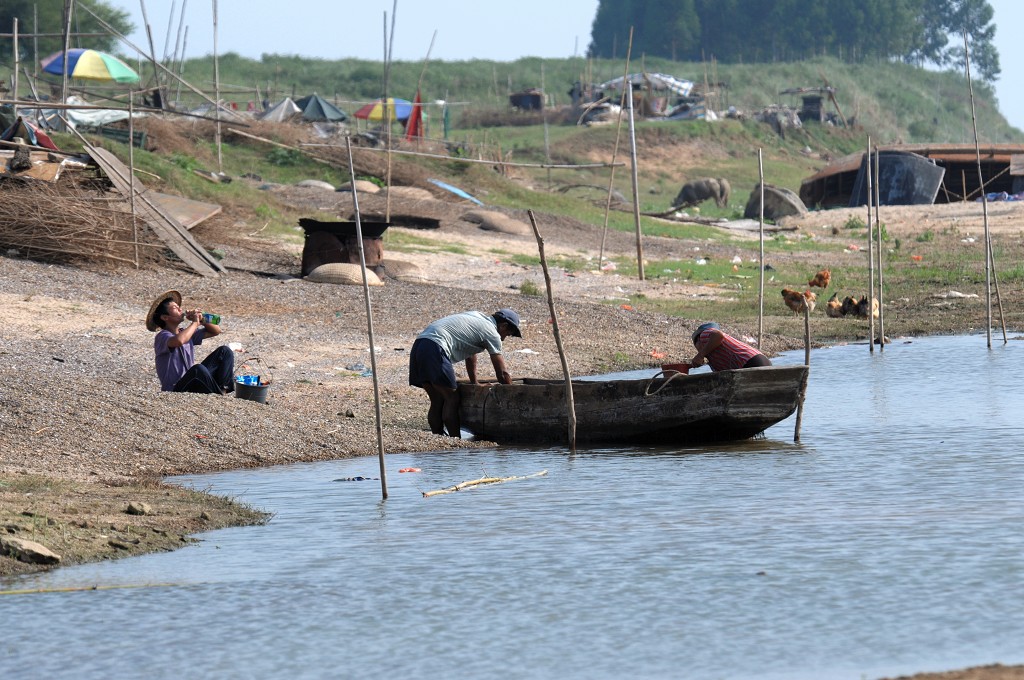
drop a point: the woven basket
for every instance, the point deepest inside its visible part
(343, 273)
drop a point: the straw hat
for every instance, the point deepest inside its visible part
(153, 324)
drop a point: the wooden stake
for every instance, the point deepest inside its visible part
(369, 325)
(615, 152)
(871, 253)
(878, 230)
(216, 89)
(807, 362)
(636, 189)
(570, 404)
(131, 171)
(989, 262)
(760, 260)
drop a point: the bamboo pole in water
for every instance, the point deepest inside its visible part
(369, 324)
(807, 362)
(760, 259)
(878, 229)
(989, 261)
(871, 252)
(570, 404)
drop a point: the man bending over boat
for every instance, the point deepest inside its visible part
(723, 352)
(448, 341)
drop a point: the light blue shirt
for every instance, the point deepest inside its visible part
(465, 334)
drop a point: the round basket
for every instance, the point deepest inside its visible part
(257, 393)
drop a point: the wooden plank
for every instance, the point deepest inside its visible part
(170, 231)
(185, 210)
(1017, 165)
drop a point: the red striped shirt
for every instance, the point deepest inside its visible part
(730, 354)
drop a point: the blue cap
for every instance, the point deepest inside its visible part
(703, 327)
(512, 318)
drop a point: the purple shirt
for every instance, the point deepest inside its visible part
(171, 364)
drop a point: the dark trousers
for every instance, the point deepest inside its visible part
(212, 376)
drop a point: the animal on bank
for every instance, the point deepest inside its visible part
(697, 191)
(851, 306)
(796, 300)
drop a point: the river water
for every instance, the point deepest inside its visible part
(888, 541)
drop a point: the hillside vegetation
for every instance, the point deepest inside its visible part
(892, 101)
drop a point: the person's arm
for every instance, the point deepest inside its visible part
(713, 342)
(471, 368)
(500, 371)
(184, 335)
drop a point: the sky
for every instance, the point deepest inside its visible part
(460, 29)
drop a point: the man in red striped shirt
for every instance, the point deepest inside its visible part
(723, 352)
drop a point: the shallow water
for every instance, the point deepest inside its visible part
(888, 541)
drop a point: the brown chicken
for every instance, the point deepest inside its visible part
(834, 308)
(821, 279)
(796, 300)
(863, 306)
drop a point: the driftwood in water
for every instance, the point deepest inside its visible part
(480, 482)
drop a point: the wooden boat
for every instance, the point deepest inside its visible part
(669, 408)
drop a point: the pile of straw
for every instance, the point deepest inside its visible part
(67, 222)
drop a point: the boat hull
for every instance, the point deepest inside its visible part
(704, 407)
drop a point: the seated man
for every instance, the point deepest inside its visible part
(175, 349)
(448, 341)
(723, 352)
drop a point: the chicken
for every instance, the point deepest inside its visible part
(834, 308)
(849, 306)
(863, 306)
(796, 300)
(821, 279)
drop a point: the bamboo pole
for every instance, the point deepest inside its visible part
(989, 263)
(570, 404)
(177, 40)
(69, 6)
(156, 64)
(35, 39)
(615, 152)
(15, 74)
(807, 362)
(369, 326)
(131, 172)
(878, 230)
(760, 259)
(636, 188)
(216, 89)
(871, 251)
(389, 44)
(181, 67)
(149, 37)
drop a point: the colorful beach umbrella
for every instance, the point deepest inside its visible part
(398, 109)
(90, 65)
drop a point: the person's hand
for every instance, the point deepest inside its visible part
(697, 361)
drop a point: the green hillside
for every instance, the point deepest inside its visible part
(891, 101)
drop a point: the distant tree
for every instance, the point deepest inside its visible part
(732, 31)
(50, 15)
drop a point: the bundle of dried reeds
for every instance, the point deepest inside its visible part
(69, 222)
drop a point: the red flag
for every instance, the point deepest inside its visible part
(413, 126)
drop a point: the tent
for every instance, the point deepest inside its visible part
(315, 107)
(655, 81)
(281, 111)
